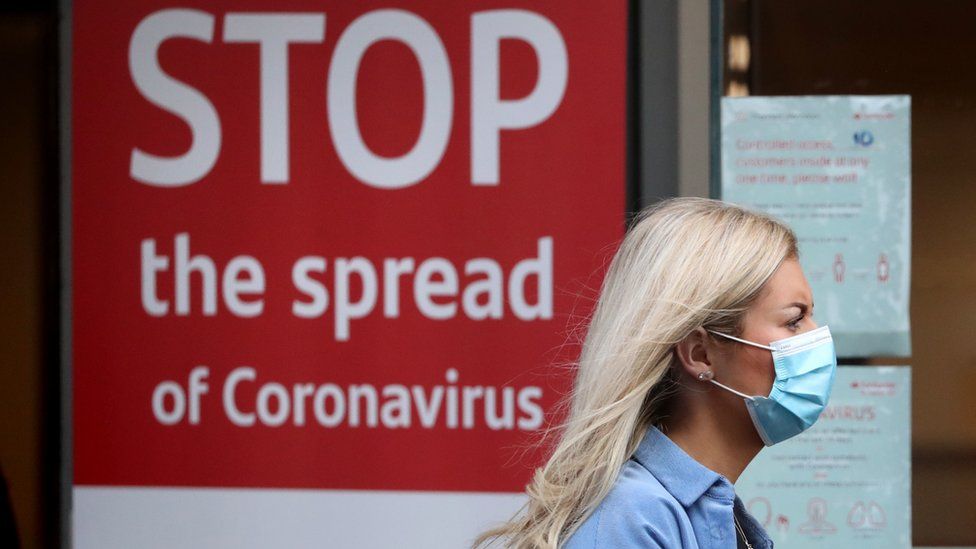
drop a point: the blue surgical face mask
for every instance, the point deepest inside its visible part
(805, 366)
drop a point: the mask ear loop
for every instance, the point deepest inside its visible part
(747, 342)
(727, 388)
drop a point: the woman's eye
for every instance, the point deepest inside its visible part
(795, 323)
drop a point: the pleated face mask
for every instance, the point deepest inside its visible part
(805, 365)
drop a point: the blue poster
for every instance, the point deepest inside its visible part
(846, 481)
(838, 170)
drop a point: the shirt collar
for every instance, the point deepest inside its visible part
(679, 473)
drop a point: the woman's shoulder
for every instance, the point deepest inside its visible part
(638, 512)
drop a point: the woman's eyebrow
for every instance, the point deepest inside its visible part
(799, 305)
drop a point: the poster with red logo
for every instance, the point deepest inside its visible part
(329, 261)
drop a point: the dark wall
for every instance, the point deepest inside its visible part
(29, 405)
(924, 49)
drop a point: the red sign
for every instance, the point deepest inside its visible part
(335, 244)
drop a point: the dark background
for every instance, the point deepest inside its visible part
(29, 379)
(924, 49)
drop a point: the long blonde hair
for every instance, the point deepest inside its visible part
(685, 262)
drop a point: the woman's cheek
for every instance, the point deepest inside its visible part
(765, 373)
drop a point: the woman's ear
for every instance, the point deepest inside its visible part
(693, 352)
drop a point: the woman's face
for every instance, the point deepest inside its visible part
(784, 309)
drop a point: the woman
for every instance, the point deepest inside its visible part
(668, 407)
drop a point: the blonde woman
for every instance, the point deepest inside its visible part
(701, 350)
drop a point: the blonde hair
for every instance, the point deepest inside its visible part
(685, 262)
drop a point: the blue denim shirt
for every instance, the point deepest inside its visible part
(664, 498)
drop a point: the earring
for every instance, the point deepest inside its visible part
(705, 375)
